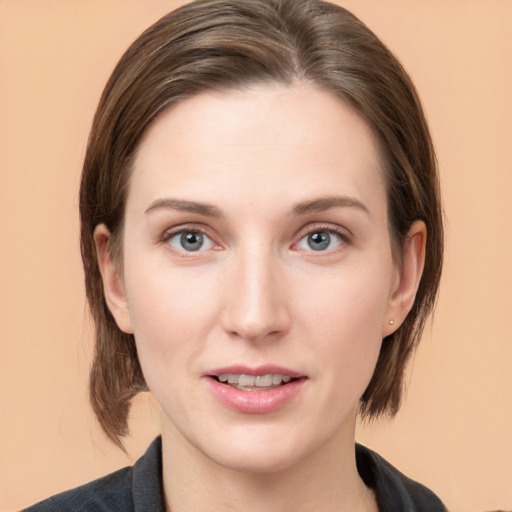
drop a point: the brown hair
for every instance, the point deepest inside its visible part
(231, 44)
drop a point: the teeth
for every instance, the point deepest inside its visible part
(251, 381)
(263, 381)
(277, 379)
(246, 380)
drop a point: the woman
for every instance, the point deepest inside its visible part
(262, 243)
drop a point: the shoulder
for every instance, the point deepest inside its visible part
(107, 494)
(131, 489)
(394, 491)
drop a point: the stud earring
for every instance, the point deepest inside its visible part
(391, 322)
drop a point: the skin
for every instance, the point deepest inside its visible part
(257, 293)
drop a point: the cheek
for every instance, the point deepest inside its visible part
(345, 320)
(160, 294)
(353, 300)
(169, 310)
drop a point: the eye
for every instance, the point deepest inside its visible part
(320, 240)
(190, 241)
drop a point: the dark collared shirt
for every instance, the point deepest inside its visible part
(139, 488)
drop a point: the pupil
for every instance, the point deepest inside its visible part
(192, 241)
(319, 241)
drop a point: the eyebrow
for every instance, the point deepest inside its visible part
(326, 203)
(303, 208)
(180, 205)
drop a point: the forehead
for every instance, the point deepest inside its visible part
(265, 138)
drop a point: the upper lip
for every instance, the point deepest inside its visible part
(266, 369)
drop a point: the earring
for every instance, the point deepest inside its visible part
(391, 322)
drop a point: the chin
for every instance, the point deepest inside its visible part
(261, 463)
(258, 454)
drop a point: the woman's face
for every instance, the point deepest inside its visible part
(256, 250)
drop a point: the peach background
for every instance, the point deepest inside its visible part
(454, 432)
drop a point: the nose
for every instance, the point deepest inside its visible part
(255, 305)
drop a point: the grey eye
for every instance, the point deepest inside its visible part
(191, 241)
(319, 241)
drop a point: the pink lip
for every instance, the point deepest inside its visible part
(255, 402)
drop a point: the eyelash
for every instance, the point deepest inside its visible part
(344, 237)
(169, 235)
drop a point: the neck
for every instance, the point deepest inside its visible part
(326, 480)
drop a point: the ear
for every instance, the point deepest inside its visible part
(113, 283)
(407, 279)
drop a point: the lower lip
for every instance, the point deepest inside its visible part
(255, 402)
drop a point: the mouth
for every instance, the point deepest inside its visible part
(254, 382)
(260, 390)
